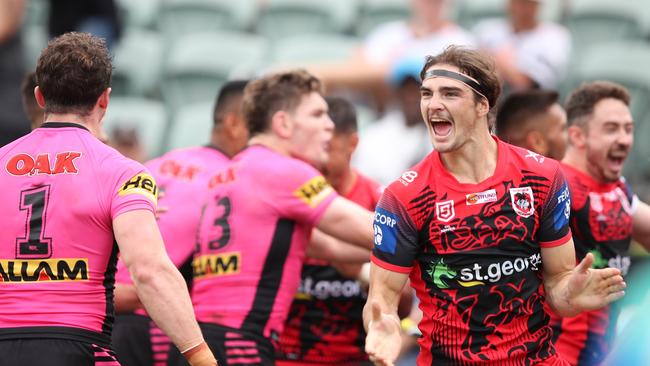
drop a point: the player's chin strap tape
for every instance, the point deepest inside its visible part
(457, 76)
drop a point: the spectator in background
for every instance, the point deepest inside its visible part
(427, 31)
(533, 119)
(98, 17)
(528, 53)
(399, 139)
(33, 111)
(13, 123)
(127, 141)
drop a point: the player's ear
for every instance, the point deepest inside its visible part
(353, 142)
(103, 99)
(281, 124)
(577, 136)
(483, 107)
(38, 95)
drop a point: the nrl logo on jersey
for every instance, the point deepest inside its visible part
(523, 201)
(445, 210)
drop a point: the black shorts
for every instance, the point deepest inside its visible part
(137, 341)
(54, 352)
(231, 347)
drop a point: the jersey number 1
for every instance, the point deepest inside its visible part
(34, 245)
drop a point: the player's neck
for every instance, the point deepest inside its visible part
(271, 142)
(474, 162)
(343, 183)
(577, 160)
(90, 122)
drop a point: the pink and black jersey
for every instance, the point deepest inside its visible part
(252, 238)
(183, 181)
(61, 190)
(601, 224)
(473, 254)
(325, 324)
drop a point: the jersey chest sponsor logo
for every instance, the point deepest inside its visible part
(443, 276)
(175, 169)
(385, 229)
(216, 265)
(314, 191)
(25, 164)
(143, 184)
(523, 201)
(323, 290)
(620, 262)
(43, 270)
(481, 197)
(223, 177)
(445, 210)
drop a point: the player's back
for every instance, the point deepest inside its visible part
(252, 238)
(61, 188)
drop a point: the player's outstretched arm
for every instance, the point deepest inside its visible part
(383, 340)
(349, 222)
(641, 225)
(159, 285)
(324, 247)
(571, 289)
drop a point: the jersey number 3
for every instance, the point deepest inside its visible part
(222, 222)
(34, 245)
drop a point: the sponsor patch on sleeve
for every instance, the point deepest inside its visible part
(142, 184)
(562, 209)
(385, 227)
(314, 191)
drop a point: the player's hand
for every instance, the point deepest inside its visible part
(383, 341)
(200, 356)
(590, 289)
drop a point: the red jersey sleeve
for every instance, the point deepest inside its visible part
(554, 222)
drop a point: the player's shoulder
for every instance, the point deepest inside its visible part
(414, 180)
(527, 160)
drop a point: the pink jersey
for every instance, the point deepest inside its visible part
(61, 190)
(252, 240)
(183, 180)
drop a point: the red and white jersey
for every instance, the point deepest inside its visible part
(61, 190)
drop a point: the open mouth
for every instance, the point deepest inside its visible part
(616, 159)
(441, 127)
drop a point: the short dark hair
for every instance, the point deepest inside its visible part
(473, 63)
(265, 96)
(581, 101)
(229, 91)
(343, 114)
(72, 72)
(518, 108)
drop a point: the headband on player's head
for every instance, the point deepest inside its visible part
(457, 76)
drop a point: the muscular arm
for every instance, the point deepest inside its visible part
(571, 289)
(325, 247)
(349, 222)
(641, 225)
(383, 340)
(158, 283)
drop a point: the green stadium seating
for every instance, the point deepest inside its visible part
(140, 13)
(376, 12)
(191, 126)
(282, 18)
(198, 64)
(147, 116)
(597, 21)
(180, 17)
(313, 48)
(138, 63)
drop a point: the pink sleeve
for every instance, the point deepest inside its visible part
(134, 189)
(305, 195)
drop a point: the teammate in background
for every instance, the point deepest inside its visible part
(324, 325)
(533, 119)
(66, 200)
(472, 224)
(256, 224)
(605, 213)
(182, 176)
